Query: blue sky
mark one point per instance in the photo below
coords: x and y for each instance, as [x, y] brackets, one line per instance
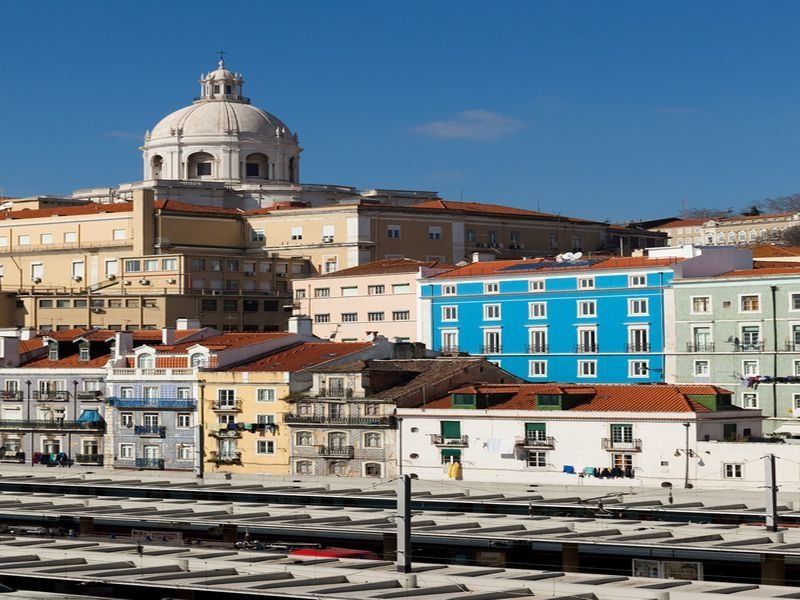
[597, 109]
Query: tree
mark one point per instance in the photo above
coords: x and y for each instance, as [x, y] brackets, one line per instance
[704, 213]
[791, 236]
[780, 204]
[753, 211]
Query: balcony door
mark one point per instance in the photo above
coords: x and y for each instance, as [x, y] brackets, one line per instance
[337, 440]
[587, 340]
[702, 337]
[638, 339]
[621, 433]
[152, 452]
[750, 337]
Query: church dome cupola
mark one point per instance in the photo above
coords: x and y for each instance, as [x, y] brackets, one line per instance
[222, 85]
[222, 137]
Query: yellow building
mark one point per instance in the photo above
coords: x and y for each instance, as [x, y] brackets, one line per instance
[243, 407]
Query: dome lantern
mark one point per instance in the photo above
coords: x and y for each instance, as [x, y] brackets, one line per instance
[222, 84]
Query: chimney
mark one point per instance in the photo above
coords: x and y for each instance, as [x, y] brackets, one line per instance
[9, 347]
[27, 333]
[482, 257]
[183, 324]
[301, 325]
[168, 336]
[123, 344]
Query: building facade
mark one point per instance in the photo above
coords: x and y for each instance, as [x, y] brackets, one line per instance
[738, 230]
[629, 434]
[590, 320]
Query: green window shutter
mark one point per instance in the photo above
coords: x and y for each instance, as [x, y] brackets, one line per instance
[451, 453]
[538, 427]
[451, 429]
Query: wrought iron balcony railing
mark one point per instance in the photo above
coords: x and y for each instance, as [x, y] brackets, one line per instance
[335, 392]
[159, 431]
[52, 395]
[587, 348]
[50, 425]
[150, 463]
[11, 396]
[336, 451]
[460, 441]
[366, 421]
[226, 458]
[163, 403]
[538, 349]
[234, 405]
[89, 459]
[492, 349]
[536, 441]
[637, 347]
[749, 346]
[613, 445]
[700, 347]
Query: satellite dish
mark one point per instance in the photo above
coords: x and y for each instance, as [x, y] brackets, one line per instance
[560, 258]
[568, 256]
[6, 205]
[577, 255]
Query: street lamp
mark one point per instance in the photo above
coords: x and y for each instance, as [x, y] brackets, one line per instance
[688, 453]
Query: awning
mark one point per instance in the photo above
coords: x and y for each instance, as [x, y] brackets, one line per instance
[90, 416]
[790, 428]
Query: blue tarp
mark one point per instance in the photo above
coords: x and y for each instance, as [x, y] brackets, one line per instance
[89, 416]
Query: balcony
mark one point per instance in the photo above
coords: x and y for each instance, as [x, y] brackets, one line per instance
[461, 441]
[227, 405]
[700, 347]
[158, 431]
[226, 434]
[749, 346]
[51, 396]
[587, 348]
[131, 373]
[449, 350]
[536, 441]
[335, 392]
[50, 425]
[89, 395]
[9, 396]
[622, 446]
[366, 421]
[150, 463]
[225, 458]
[336, 451]
[491, 349]
[538, 349]
[89, 459]
[793, 346]
[637, 348]
[162, 403]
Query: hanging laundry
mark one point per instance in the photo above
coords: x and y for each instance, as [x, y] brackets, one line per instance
[569, 469]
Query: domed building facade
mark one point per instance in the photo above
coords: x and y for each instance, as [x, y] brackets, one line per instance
[221, 137]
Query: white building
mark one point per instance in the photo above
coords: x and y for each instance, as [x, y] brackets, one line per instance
[570, 434]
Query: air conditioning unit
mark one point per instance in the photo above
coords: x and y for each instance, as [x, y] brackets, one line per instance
[97, 310]
[282, 274]
[144, 281]
[172, 281]
[111, 276]
[250, 273]
[327, 239]
[76, 278]
[36, 280]
[127, 282]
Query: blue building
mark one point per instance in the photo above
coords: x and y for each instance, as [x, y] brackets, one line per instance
[592, 320]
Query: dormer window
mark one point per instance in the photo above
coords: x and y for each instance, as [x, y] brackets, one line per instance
[197, 360]
[146, 361]
[52, 350]
[83, 352]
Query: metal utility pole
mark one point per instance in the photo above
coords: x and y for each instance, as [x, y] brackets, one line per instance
[772, 493]
[687, 453]
[404, 524]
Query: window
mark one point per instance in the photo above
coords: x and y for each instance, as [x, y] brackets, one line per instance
[184, 420]
[349, 317]
[450, 341]
[83, 352]
[133, 265]
[349, 291]
[126, 450]
[146, 361]
[126, 419]
[78, 270]
[471, 235]
[587, 368]
[492, 341]
[750, 303]
[265, 447]
[794, 301]
[537, 459]
[637, 281]
[258, 235]
[322, 292]
[169, 264]
[46, 238]
[401, 315]
[4, 240]
[733, 470]
[796, 401]
[491, 312]
[434, 233]
[304, 438]
[638, 368]
[491, 288]
[537, 310]
[749, 368]
[638, 307]
[322, 318]
[297, 233]
[552, 240]
[265, 395]
[537, 338]
[623, 462]
[24, 240]
[375, 316]
[448, 290]
[702, 368]
[185, 451]
[638, 339]
[751, 339]
[750, 400]
[330, 264]
[537, 368]
[376, 290]
[373, 470]
[401, 288]
[587, 308]
[304, 467]
[373, 440]
[393, 232]
[37, 271]
[701, 305]
[586, 283]
[587, 339]
[449, 313]
[536, 285]
[232, 266]
[150, 264]
[119, 234]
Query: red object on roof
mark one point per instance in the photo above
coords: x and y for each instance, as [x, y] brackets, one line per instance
[224, 341]
[335, 553]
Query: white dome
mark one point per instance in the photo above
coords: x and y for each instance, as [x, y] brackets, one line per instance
[219, 118]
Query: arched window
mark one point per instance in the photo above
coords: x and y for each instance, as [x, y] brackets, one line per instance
[304, 467]
[337, 439]
[146, 361]
[720, 238]
[752, 235]
[373, 470]
[156, 165]
[373, 440]
[52, 350]
[197, 360]
[731, 237]
[256, 166]
[304, 438]
[339, 468]
[200, 166]
[292, 169]
[742, 236]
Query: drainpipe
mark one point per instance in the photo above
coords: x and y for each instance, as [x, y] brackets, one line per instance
[200, 472]
[774, 290]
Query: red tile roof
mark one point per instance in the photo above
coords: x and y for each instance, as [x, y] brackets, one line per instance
[68, 362]
[605, 398]
[763, 271]
[186, 207]
[389, 265]
[497, 267]
[489, 209]
[683, 223]
[223, 341]
[92, 208]
[772, 251]
[302, 356]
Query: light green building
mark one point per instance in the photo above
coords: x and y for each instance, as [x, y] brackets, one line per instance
[734, 328]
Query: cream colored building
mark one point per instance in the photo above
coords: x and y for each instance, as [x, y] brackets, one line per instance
[375, 298]
[738, 230]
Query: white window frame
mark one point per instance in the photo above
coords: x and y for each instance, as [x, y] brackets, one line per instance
[492, 312]
[585, 283]
[393, 232]
[744, 369]
[644, 374]
[750, 400]
[633, 302]
[534, 306]
[637, 280]
[267, 444]
[582, 372]
[491, 287]
[449, 289]
[449, 313]
[791, 296]
[796, 401]
[447, 332]
[586, 303]
[127, 451]
[539, 454]
[710, 305]
[537, 285]
[484, 338]
[537, 368]
[749, 312]
[733, 470]
[119, 234]
[434, 232]
[698, 362]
